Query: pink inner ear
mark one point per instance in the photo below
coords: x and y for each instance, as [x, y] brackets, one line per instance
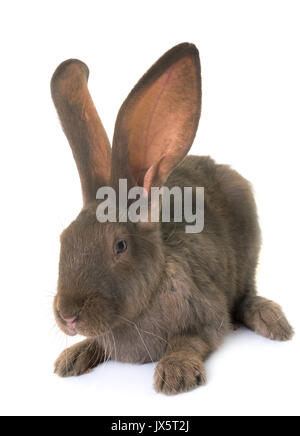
[150, 175]
[161, 122]
[148, 179]
[151, 133]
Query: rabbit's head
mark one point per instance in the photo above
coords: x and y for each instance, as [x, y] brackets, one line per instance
[110, 271]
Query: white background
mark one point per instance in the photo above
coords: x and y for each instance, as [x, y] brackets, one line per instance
[250, 65]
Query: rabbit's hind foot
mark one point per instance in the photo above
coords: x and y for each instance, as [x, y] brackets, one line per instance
[265, 318]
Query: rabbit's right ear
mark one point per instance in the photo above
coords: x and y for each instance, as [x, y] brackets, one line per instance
[82, 126]
[157, 123]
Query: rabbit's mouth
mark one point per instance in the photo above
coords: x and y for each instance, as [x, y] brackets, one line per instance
[68, 325]
[72, 330]
[79, 326]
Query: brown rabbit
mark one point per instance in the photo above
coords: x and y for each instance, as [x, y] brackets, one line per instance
[147, 291]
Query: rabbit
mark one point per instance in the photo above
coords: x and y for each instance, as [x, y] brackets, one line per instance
[148, 291]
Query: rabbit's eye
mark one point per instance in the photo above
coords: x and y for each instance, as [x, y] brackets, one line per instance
[121, 246]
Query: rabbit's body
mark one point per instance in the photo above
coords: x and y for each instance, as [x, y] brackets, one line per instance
[231, 233]
[147, 291]
[202, 290]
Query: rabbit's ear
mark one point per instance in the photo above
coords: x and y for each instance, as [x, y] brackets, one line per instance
[82, 126]
[157, 123]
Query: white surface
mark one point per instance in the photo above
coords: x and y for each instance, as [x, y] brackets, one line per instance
[250, 64]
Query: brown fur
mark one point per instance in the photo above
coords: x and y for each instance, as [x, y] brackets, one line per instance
[172, 296]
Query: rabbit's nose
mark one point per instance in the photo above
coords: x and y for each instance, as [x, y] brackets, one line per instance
[70, 320]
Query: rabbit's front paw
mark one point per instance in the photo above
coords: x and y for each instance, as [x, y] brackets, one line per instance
[177, 373]
[79, 359]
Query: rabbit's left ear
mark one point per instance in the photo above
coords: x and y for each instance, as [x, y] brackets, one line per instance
[157, 123]
[82, 126]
